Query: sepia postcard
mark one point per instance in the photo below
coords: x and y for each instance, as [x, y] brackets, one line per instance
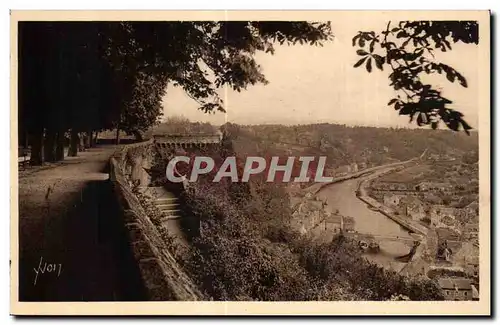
[250, 163]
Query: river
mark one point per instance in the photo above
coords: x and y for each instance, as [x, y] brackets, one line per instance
[342, 197]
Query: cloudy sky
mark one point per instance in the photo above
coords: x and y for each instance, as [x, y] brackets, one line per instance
[319, 84]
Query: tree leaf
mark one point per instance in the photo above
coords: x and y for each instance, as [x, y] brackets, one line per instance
[372, 46]
[402, 34]
[461, 80]
[447, 44]
[379, 61]
[392, 101]
[369, 65]
[354, 39]
[427, 37]
[360, 62]
[406, 110]
[466, 126]
[450, 76]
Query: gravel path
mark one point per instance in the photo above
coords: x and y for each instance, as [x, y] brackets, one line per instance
[72, 247]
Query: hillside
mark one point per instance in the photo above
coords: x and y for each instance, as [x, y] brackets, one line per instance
[345, 145]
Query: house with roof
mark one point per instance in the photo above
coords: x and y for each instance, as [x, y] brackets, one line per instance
[440, 271]
[434, 187]
[468, 257]
[413, 207]
[392, 200]
[441, 214]
[343, 170]
[456, 288]
[334, 223]
[307, 212]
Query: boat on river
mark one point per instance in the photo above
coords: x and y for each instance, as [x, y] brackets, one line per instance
[370, 247]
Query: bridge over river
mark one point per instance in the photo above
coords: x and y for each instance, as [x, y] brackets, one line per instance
[394, 241]
[409, 240]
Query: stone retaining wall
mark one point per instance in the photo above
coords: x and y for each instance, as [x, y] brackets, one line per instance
[162, 275]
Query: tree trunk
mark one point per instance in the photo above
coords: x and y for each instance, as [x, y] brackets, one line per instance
[91, 138]
[73, 144]
[50, 146]
[81, 142]
[60, 142]
[94, 139]
[138, 136]
[36, 157]
[87, 139]
[117, 135]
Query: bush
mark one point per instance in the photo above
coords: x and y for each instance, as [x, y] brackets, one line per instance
[232, 262]
[341, 262]
[243, 255]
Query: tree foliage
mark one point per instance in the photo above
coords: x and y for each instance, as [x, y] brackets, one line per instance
[89, 76]
[407, 49]
[201, 56]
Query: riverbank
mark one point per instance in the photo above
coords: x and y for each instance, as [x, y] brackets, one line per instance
[361, 192]
[388, 212]
[315, 188]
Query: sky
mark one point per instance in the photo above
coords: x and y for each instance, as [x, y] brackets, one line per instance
[309, 84]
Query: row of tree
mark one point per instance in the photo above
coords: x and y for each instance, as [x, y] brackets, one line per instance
[77, 78]
[74, 80]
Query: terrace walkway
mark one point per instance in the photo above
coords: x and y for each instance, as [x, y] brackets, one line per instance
[68, 219]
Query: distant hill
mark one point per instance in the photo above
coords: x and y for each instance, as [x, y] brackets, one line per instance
[344, 144]
[182, 126]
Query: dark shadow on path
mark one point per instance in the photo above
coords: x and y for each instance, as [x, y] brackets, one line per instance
[87, 251]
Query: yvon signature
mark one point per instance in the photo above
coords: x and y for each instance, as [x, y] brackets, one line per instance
[46, 267]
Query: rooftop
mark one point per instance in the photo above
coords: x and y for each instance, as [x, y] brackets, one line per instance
[446, 268]
[333, 218]
[455, 283]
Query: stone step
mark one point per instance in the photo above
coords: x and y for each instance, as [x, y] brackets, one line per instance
[171, 212]
[168, 206]
[171, 217]
[165, 200]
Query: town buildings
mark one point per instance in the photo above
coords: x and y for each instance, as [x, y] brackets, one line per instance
[444, 207]
[456, 288]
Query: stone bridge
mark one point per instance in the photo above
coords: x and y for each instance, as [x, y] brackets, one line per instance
[377, 238]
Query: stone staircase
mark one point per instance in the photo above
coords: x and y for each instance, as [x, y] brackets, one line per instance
[168, 204]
